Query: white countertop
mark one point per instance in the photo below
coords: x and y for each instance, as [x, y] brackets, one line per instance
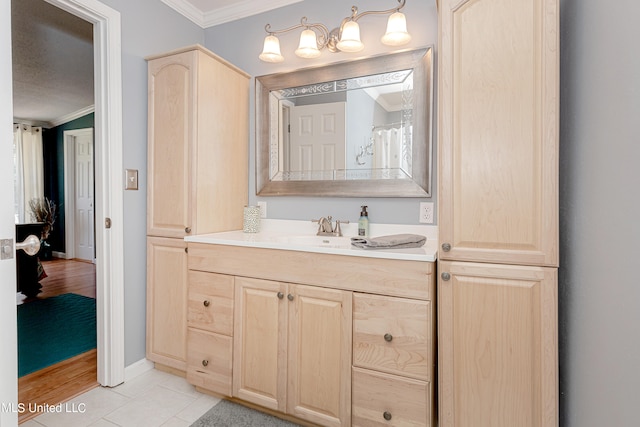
[294, 235]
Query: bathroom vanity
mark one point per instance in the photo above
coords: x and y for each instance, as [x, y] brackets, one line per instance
[309, 327]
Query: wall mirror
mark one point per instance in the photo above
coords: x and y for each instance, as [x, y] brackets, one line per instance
[357, 128]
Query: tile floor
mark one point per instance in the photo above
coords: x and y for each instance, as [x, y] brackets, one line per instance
[152, 399]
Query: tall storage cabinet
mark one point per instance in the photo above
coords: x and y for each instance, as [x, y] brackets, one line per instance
[197, 178]
[498, 212]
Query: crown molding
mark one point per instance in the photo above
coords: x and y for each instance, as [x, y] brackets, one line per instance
[59, 121]
[187, 9]
[232, 12]
[72, 116]
[242, 9]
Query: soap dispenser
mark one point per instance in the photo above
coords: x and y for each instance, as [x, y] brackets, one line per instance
[363, 223]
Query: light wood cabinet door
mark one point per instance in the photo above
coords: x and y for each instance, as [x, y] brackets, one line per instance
[497, 347]
[198, 131]
[292, 349]
[498, 131]
[167, 301]
[319, 354]
[171, 129]
[260, 342]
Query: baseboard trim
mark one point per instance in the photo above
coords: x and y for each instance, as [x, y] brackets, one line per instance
[137, 368]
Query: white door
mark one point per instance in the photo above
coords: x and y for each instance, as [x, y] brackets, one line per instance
[8, 326]
[84, 211]
[318, 137]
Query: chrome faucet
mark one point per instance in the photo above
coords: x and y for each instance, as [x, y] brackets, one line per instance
[325, 226]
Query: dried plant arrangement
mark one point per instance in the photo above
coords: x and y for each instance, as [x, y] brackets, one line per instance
[43, 210]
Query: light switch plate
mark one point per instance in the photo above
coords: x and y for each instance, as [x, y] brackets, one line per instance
[131, 177]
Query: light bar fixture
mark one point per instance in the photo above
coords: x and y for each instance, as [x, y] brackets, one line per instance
[345, 38]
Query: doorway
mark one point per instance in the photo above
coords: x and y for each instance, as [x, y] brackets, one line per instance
[108, 185]
[79, 194]
[41, 382]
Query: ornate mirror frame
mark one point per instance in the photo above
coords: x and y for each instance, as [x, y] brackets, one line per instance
[420, 61]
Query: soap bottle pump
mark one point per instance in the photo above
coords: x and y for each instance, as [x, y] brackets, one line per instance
[363, 223]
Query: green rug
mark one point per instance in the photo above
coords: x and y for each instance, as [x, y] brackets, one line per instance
[54, 329]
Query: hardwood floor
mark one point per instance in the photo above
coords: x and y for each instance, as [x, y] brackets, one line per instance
[68, 276]
[67, 379]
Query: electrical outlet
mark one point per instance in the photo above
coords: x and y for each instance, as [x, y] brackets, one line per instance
[426, 212]
[263, 209]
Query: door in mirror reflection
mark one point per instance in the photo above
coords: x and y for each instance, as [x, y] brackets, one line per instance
[317, 138]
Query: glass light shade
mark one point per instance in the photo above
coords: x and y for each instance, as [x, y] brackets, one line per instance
[396, 34]
[271, 50]
[350, 39]
[308, 47]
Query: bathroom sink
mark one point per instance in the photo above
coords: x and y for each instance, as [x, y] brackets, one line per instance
[300, 236]
[318, 241]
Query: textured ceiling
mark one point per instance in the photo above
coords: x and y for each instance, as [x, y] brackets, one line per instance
[52, 62]
[53, 54]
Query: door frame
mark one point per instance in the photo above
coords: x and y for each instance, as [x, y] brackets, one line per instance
[69, 189]
[109, 183]
[8, 331]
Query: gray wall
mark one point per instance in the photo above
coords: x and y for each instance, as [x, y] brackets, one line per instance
[148, 27]
[600, 213]
[241, 42]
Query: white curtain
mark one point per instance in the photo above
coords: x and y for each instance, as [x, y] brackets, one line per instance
[29, 168]
[387, 148]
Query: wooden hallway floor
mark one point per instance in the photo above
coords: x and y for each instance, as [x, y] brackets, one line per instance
[67, 379]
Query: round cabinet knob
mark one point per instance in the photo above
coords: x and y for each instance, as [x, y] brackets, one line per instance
[387, 415]
[446, 247]
[280, 295]
[187, 230]
[205, 363]
[290, 297]
[445, 276]
[206, 303]
[388, 337]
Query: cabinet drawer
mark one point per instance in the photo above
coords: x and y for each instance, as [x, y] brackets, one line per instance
[209, 361]
[377, 396]
[393, 335]
[210, 304]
